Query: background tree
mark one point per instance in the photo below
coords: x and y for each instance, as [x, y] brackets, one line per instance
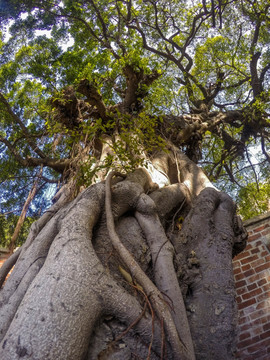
[136, 264]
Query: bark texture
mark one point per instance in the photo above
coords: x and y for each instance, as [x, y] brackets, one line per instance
[130, 279]
[204, 249]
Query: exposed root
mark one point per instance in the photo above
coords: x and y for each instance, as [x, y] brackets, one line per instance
[112, 344]
[58, 301]
[147, 302]
[7, 266]
[163, 312]
[165, 276]
[132, 324]
[30, 260]
[127, 309]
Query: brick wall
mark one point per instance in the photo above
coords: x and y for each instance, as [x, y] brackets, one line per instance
[3, 256]
[252, 280]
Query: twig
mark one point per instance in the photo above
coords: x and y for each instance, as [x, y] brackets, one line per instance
[132, 324]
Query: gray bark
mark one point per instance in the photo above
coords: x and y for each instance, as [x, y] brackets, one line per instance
[204, 248]
[74, 295]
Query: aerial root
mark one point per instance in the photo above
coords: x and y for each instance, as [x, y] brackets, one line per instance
[164, 272]
[8, 265]
[163, 312]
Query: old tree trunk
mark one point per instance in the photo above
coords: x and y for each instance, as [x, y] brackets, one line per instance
[134, 258]
[134, 285]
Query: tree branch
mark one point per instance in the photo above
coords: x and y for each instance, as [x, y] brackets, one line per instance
[13, 151]
[32, 144]
[93, 96]
[58, 165]
[30, 197]
[8, 264]
[264, 150]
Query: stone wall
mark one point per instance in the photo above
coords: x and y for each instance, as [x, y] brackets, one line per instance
[252, 281]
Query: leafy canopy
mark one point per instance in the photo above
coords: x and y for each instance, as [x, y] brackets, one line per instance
[132, 76]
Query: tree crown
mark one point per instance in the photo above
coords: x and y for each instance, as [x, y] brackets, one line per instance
[138, 77]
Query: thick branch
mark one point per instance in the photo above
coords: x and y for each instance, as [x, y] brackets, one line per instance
[58, 165]
[255, 81]
[136, 83]
[93, 96]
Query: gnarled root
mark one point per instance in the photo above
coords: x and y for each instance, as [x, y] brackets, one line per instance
[160, 306]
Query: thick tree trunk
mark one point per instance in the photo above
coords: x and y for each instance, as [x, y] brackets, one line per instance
[89, 288]
[204, 249]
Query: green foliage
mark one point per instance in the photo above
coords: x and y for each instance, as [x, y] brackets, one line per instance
[7, 227]
[254, 199]
[135, 136]
[49, 46]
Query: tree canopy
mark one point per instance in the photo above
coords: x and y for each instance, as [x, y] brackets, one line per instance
[124, 113]
[191, 74]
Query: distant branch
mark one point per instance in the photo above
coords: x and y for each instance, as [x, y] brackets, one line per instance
[58, 165]
[264, 71]
[100, 40]
[13, 151]
[264, 150]
[15, 117]
[30, 198]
